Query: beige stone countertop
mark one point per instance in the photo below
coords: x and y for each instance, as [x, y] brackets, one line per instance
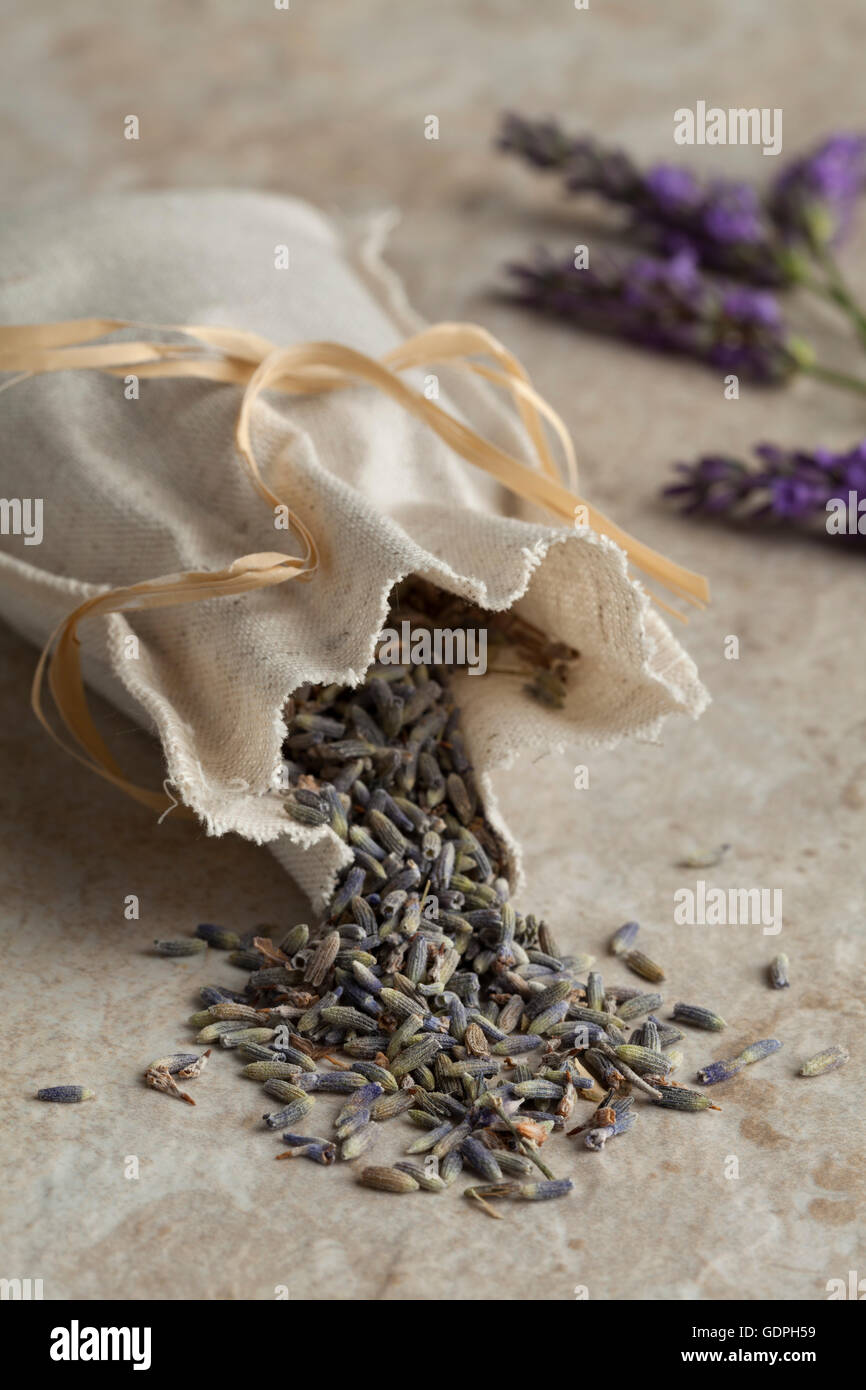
[329, 102]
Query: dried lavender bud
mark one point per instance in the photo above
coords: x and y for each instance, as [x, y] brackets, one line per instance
[306, 815]
[338, 1083]
[537, 1090]
[526, 1191]
[826, 1061]
[623, 938]
[388, 1180]
[647, 1036]
[481, 1159]
[322, 1151]
[209, 994]
[188, 946]
[213, 1032]
[396, 1102]
[722, 1071]
[275, 1070]
[418, 1055]
[174, 1063]
[778, 972]
[637, 1005]
[595, 991]
[668, 1032]
[322, 959]
[246, 960]
[359, 1142]
[643, 1059]
[699, 1018]
[541, 1025]
[291, 1113]
[428, 1182]
[237, 1036]
[228, 1010]
[218, 937]
[284, 1090]
[680, 1098]
[514, 1045]
[642, 965]
[65, 1095]
[622, 1121]
[451, 1166]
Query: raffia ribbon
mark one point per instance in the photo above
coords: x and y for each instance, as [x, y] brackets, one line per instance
[245, 359]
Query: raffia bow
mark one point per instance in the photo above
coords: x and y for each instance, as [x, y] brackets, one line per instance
[245, 359]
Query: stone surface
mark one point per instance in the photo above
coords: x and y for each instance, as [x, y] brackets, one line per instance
[329, 102]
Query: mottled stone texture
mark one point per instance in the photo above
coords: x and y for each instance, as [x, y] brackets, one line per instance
[329, 102]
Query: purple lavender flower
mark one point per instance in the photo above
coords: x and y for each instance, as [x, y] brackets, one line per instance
[674, 188]
[726, 224]
[814, 197]
[714, 483]
[667, 305]
[789, 485]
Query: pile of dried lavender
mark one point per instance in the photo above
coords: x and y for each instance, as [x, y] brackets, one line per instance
[448, 1006]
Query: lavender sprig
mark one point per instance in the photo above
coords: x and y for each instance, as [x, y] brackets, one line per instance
[729, 225]
[789, 485]
[724, 223]
[668, 305]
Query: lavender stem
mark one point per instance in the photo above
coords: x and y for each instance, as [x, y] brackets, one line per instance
[843, 380]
